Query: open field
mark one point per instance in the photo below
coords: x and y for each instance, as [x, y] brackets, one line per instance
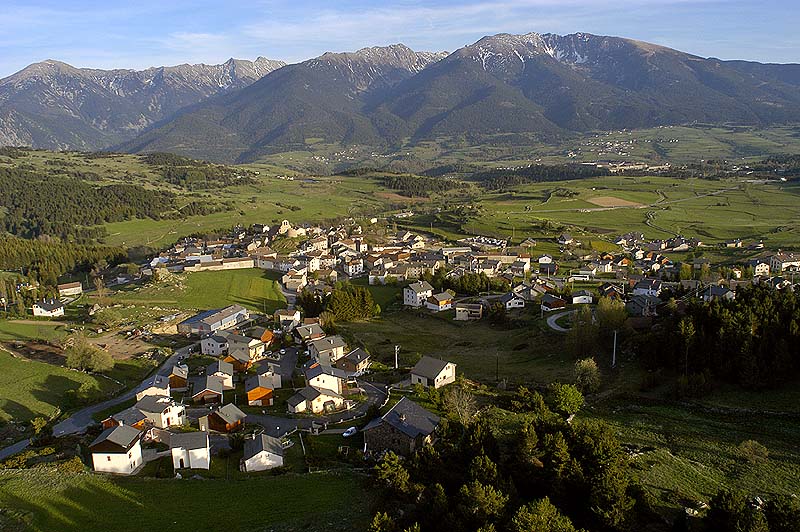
[530, 354]
[23, 330]
[252, 288]
[29, 389]
[47, 501]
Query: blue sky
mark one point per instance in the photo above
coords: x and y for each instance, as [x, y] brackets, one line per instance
[138, 34]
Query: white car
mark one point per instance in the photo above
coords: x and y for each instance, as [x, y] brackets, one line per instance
[349, 432]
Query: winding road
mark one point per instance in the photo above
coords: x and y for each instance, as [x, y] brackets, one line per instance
[551, 321]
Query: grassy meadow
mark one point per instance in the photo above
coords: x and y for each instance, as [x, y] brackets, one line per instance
[252, 288]
[49, 500]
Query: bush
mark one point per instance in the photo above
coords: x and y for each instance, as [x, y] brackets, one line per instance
[587, 375]
[753, 452]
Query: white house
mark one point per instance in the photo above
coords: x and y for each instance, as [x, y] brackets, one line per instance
[415, 294]
[354, 267]
[190, 450]
[647, 287]
[223, 370]
[214, 345]
[262, 452]
[581, 297]
[512, 301]
[431, 371]
[545, 259]
[439, 302]
[70, 289]
[117, 450]
[327, 349]
[326, 377]
[49, 308]
[161, 411]
[316, 400]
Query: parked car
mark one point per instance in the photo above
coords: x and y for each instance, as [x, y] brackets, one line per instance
[349, 432]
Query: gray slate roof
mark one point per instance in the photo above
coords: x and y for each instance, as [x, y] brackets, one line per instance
[220, 366]
[231, 414]
[153, 403]
[357, 355]
[329, 342]
[129, 416]
[209, 382]
[262, 442]
[429, 367]
[189, 440]
[256, 381]
[122, 435]
[409, 418]
[419, 287]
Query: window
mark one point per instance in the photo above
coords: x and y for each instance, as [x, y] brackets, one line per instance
[130, 454]
[108, 458]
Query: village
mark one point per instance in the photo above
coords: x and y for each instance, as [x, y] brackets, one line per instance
[263, 377]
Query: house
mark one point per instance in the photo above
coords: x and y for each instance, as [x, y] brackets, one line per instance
[310, 332]
[179, 378]
[70, 289]
[287, 319]
[239, 358]
[761, 267]
[431, 371]
[611, 291]
[404, 429]
[325, 377]
[642, 305]
[227, 418]
[439, 302]
[718, 293]
[117, 450]
[161, 411]
[512, 301]
[468, 311]
[356, 361]
[582, 297]
[328, 349]
[132, 417]
[782, 261]
[259, 390]
[211, 321]
[551, 302]
[548, 269]
[208, 389]
[565, 239]
[415, 294]
[214, 345]
[647, 287]
[49, 308]
[190, 450]
[316, 400]
[262, 452]
[156, 385]
[223, 370]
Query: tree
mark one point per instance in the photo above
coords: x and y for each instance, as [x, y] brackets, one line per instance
[540, 516]
[382, 523]
[686, 272]
[391, 473]
[753, 452]
[482, 502]
[687, 332]
[81, 354]
[728, 510]
[460, 401]
[611, 314]
[587, 375]
[783, 514]
[483, 470]
[582, 337]
[101, 291]
[565, 399]
[107, 318]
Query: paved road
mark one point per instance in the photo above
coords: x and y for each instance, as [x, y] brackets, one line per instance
[551, 321]
[78, 422]
[278, 426]
[14, 449]
[291, 297]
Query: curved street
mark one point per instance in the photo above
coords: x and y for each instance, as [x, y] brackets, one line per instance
[551, 321]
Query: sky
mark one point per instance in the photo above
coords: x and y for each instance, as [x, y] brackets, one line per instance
[143, 33]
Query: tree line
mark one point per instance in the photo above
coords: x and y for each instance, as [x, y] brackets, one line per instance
[501, 178]
[414, 186]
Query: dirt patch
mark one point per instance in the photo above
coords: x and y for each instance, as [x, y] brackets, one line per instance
[611, 201]
[38, 351]
[121, 347]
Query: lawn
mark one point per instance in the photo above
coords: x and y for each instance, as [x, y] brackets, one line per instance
[29, 389]
[11, 331]
[251, 288]
[50, 501]
[528, 353]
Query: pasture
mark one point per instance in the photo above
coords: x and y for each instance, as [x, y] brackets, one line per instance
[47, 500]
[251, 288]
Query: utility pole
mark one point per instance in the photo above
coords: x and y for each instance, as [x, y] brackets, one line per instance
[614, 354]
[396, 357]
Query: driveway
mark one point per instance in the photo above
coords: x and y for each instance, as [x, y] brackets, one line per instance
[551, 321]
[78, 422]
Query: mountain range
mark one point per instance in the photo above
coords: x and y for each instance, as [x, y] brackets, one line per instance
[541, 84]
[56, 106]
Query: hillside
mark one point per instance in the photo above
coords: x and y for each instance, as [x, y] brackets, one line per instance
[546, 85]
[54, 105]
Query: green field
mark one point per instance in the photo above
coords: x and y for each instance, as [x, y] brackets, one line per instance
[29, 389]
[252, 288]
[529, 354]
[47, 501]
[31, 330]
